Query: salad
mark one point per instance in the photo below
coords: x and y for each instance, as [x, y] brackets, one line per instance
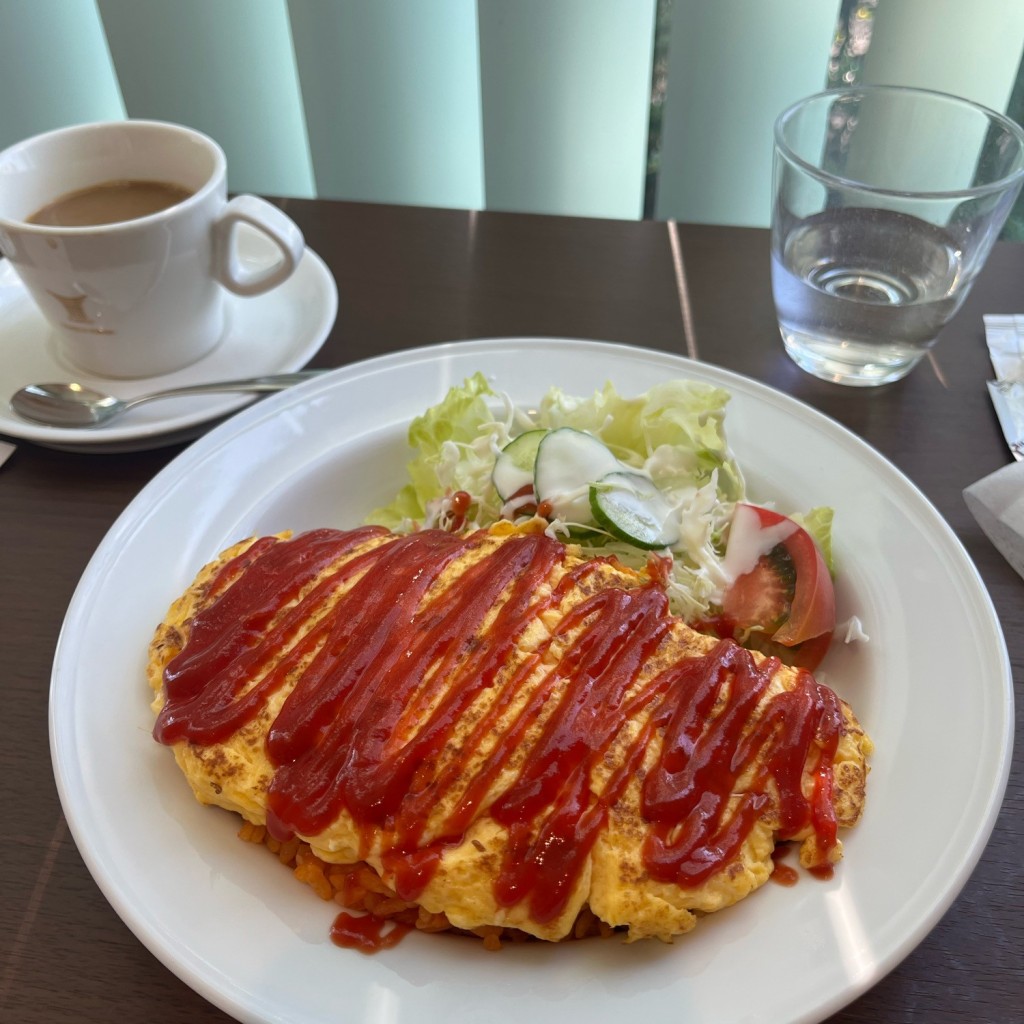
[650, 480]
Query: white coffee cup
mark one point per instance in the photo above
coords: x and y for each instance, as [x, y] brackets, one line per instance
[142, 297]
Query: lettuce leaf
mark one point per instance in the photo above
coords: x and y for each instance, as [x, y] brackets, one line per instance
[685, 417]
[675, 432]
[446, 439]
[818, 523]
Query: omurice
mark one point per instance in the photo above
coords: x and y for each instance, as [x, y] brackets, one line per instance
[488, 732]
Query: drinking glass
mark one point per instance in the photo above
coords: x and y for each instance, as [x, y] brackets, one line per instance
[886, 202]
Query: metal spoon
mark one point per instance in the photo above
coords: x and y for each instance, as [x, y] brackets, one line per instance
[75, 405]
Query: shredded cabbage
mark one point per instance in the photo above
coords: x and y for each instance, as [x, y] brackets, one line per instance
[674, 432]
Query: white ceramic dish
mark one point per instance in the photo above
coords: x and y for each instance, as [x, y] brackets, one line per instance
[236, 927]
[271, 333]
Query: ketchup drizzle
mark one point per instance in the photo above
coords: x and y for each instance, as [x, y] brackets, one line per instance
[387, 675]
[368, 934]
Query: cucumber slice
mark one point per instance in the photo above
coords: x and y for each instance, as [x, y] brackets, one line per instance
[513, 469]
[568, 462]
[630, 506]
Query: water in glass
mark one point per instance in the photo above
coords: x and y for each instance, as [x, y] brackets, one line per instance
[861, 293]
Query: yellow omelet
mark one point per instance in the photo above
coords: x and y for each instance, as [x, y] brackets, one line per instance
[508, 734]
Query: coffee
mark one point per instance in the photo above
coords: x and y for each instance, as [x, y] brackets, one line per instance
[109, 203]
[132, 265]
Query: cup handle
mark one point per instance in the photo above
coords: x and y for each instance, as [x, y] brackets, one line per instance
[269, 221]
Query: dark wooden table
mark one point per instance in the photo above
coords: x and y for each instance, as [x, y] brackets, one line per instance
[409, 277]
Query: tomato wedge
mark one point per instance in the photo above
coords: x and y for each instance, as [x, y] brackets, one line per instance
[785, 604]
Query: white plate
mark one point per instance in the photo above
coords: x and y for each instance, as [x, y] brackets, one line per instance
[236, 927]
[271, 333]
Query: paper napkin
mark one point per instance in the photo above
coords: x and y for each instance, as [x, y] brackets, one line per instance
[1005, 338]
[997, 501]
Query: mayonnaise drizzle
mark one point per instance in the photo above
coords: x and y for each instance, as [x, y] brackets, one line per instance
[749, 540]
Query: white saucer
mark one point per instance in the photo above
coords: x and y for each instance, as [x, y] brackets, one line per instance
[272, 333]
